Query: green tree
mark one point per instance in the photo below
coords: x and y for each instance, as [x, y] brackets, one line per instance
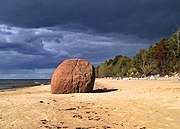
[143, 62]
[97, 72]
[122, 66]
[103, 70]
[173, 48]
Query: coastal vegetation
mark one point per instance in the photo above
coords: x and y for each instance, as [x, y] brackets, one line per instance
[161, 59]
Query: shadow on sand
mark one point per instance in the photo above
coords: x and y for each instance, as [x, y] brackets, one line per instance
[104, 90]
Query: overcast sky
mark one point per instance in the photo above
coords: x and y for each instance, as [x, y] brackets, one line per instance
[36, 35]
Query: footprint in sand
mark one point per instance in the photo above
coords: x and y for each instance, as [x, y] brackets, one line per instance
[77, 116]
[96, 118]
[106, 127]
[93, 112]
[44, 121]
[92, 127]
[54, 100]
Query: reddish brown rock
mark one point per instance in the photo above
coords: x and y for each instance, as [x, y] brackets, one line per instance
[73, 76]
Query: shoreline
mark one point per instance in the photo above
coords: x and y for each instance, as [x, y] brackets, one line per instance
[18, 88]
[21, 83]
[13, 88]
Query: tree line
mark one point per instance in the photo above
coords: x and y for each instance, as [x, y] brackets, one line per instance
[163, 58]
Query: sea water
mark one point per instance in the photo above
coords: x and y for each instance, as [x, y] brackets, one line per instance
[19, 83]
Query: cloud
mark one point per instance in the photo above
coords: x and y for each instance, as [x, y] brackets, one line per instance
[26, 74]
[46, 47]
[146, 19]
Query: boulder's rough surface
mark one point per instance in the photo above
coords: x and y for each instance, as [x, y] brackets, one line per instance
[73, 76]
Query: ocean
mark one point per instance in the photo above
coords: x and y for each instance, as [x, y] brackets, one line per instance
[19, 83]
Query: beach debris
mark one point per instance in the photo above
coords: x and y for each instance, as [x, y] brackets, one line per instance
[143, 128]
[70, 109]
[63, 127]
[166, 76]
[37, 83]
[122, 124]
[152, 78]
[41, 101]
[73, 76]
[90, 118]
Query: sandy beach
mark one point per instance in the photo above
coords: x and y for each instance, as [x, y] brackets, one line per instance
[118, 104]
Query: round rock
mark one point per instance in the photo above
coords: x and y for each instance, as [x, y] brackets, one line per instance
[73, 76]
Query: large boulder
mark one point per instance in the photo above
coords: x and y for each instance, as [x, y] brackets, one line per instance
[73, 76]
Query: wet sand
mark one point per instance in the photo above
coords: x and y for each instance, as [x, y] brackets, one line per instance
[117, 104]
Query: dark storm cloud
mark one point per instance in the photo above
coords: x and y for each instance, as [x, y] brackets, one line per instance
[34, 48]
[146, 19]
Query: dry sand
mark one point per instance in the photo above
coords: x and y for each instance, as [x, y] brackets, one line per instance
[135, 104]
